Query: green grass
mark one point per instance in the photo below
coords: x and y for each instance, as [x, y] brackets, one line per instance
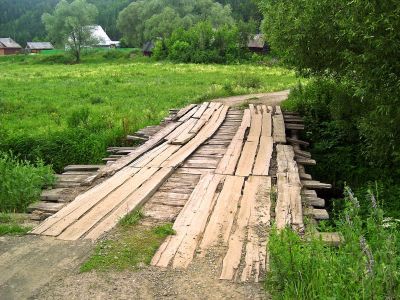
[67, 114]
[365, 266]
[10, 225]
[21, 182]
[131, 248]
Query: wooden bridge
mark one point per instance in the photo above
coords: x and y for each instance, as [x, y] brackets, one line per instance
[221, 174]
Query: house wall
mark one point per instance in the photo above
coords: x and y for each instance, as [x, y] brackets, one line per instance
[9, 51]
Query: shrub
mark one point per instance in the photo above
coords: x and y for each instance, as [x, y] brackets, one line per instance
[21, 182]
[365, 266]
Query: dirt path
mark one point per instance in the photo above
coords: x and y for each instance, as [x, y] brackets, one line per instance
[29, 262]
[45, 268]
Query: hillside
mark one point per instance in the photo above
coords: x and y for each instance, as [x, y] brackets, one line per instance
[21, 20]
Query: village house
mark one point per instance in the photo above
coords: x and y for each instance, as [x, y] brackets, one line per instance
[36, 47]
[257, 44]
[8, 46]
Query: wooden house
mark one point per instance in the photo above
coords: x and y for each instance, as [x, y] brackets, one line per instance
[257, 44]
[36, 47]
[8, 46]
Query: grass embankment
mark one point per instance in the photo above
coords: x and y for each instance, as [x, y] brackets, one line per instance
[131, 247]
[366, 265]
[12, 225]
[68, 114]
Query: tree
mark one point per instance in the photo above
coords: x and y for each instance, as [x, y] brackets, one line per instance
[70, 24]
[151, 19]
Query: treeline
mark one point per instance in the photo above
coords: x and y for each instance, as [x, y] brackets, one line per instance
[21, 20]
[350, 50]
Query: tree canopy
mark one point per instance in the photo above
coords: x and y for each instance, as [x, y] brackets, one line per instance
[146, 20]
[71, 24]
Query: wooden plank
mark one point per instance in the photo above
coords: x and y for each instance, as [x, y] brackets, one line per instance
[266, 124]
[228, 163]
[201, 110]
[292, 126]
[169, 248]
[184, 111]
[82, 167]
[279, 129]
[51, 207]
[84, 223]
[132, 202]
[184, 128]
[160, 159]
[232, 258]
[302, 153]
[264, 156]
[185, 253]
[150, 144]
[248, 155]
[194, 171]
[189, 114]
[306, 161]
[313, 184]
[204, 118]
[297, 141]
[288, 208]
[54, 194]
[149, 156]
[221, 220]
[205, 133]
[87, 200]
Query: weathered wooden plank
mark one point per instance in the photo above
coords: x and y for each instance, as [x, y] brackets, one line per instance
[279, 133]
[82, 167]
[205, 133]
[195, 227]
[87, 199]
[201, 110]
[83, 223]
[232, 258]
[50, 207]
[297, 141]
[169, 248]
[264, 156]
[151, 143]
[134, 201]
[228, 163]
[221, 220]
[54, 194]
[313, 184]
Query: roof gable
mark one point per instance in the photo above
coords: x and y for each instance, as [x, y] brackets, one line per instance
[39, 45]
[9, 43]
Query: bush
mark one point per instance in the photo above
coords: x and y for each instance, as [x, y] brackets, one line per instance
[365, 266]
[21, 182]
[56, 59]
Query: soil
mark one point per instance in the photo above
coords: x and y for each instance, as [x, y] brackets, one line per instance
[33, 267]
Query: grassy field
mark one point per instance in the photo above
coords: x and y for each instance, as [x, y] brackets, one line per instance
[68, 114]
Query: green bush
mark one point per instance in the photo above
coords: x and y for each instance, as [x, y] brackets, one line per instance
[365, 266]
[21, 182]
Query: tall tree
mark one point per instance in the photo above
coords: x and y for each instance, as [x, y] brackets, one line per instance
[70, 24]
[150, 19]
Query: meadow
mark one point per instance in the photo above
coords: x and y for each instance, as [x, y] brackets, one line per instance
[69, 113]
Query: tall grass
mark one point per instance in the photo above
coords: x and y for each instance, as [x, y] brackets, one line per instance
[69, 114]
[365, 266]
[21, 182]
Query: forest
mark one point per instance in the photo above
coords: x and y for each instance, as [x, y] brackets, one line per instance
[21, 20]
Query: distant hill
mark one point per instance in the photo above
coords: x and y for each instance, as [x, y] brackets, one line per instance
[21, 20]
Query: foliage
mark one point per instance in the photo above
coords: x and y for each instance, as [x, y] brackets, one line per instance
[354, 44]
[245, 10]
[365, 266]
[21, 182]
[70, 25]
[42, 116]
[132, 247]
[148, 20]
[331, 115]
[204, 44]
